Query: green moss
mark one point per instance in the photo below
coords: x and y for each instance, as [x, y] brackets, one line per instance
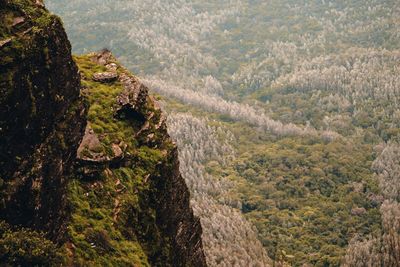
[29, 9]
[113, 220]
[24, 247]
[150, 157]
[102, 98]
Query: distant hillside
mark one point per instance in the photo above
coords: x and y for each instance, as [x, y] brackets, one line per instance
[281, 109]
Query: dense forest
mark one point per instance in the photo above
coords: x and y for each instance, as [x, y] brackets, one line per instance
[286, 114]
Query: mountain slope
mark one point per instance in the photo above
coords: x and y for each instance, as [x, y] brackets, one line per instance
[289, 103]
[88, 173]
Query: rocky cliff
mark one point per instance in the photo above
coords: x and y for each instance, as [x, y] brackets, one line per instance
[88, 173]
[42, 116]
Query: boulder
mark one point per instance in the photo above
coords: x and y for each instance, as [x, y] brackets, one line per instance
[105, 77]
[18, 21]
[92, 156]
[90, 148]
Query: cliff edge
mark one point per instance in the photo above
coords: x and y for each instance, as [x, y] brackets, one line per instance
[88, 173]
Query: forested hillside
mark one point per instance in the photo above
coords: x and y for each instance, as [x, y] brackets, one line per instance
[286, 114]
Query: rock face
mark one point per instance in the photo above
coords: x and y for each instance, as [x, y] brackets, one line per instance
[42, 117]
[175, 216]
[93, 169]
[173, 236]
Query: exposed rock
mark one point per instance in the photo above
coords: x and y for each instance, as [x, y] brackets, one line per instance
[45, 145]
[118, 153]
[92, 158]
[173, 202]
[112, 67]
[134, 94]
[91, 149]
[17, 21]
[5, 42]
[105, 77]
[169, 195]
[27, 31]
[132, 104]
[103, 57]
[89, 141]
[38, 142]
[123, 145]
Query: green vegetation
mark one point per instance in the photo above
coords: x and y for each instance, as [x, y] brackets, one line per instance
[24, 247]
[22, 24]
[309, 91]
[96, 237]
[103, 104]
[39, 18]
[111, 218]
[113, 222]
[300, 195]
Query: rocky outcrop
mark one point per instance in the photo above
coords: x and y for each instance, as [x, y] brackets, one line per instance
[42, 117]
[167, 194]
[93, 169]
[105, 77]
